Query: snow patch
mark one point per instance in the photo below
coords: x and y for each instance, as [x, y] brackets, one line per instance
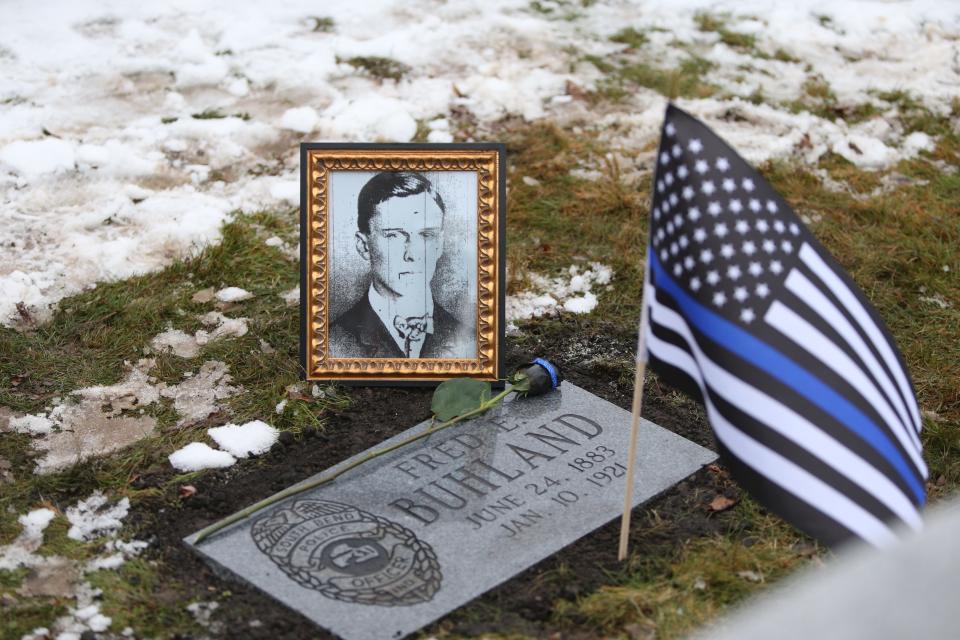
[235, 441]
[202, 612]
[130, 181]
[188, 346]
[90, 422]
[20, 552]
[37, 424]
[292, 297]
[111, 562]
[83, 617]
[580, 304]
[92, 517]
[285, 191]
[369, 117]
[572, 293]
[937, 300]
[91, 617]
[198, 397]
[233, 294]
[180, 343]
[301, 119]
[224, 327]
[439, 131]
[31, 158]
[119, 551]
[241, 441]
[57, 577]
[35, 522]
[916, 142]
[197, 456]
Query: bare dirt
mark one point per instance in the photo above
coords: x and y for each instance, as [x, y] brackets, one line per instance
[523, 605]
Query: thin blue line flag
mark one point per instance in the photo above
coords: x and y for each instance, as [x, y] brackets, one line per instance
[812, 406]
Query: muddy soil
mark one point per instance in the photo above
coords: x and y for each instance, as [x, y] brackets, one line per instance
[592, 354]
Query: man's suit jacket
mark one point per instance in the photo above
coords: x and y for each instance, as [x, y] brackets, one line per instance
[359, 333]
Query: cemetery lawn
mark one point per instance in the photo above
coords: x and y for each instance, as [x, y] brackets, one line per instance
[692, 554]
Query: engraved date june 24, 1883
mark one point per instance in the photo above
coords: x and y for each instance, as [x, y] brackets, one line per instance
[542, 496]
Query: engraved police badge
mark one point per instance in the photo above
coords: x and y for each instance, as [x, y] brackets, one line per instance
[348, 554]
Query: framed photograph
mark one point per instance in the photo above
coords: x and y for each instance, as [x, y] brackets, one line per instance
[402, 262]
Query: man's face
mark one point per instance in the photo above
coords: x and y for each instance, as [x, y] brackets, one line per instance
[404, 243]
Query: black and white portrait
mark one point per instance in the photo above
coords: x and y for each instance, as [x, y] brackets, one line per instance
[403, 264]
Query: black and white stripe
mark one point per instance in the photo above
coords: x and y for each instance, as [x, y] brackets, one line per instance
[774, 440]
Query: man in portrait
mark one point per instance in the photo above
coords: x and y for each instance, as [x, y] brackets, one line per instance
[400, 238]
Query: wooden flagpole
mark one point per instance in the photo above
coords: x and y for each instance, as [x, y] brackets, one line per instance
[634, 426]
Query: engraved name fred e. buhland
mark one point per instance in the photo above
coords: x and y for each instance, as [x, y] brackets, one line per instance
[348, 554]
[537, 472]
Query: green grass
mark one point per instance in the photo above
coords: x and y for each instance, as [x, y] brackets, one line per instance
[624, 73]
[567, 10]
[378, 67]
[566, 216]
[718, 24]
[783, 56]
[630, 37]
[208, 114]
[28, 614]
[322, 24]
[131, 599]
[87, 342]
[672, 595]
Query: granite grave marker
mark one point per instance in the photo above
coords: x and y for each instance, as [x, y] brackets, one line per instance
[400, 541]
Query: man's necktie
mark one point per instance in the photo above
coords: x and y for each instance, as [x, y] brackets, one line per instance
[411, 329]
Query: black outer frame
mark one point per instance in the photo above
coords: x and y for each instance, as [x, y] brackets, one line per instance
[501, 149]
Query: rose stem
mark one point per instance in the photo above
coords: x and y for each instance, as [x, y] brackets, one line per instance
[294, 490]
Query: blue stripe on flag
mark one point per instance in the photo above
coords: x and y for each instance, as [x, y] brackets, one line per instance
[764, 357]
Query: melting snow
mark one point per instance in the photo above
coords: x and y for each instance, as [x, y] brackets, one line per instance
[292, 297]
[92, 517]
[35, 424]
[243, 440]
[180, 343]
[233, 294]
[130, 180]
[197, 456]
[20, 551]
[198, 397]
[91, 422]
[572, 293]
[54, 576]
[235, 441]
[188, 346]
[223, 327]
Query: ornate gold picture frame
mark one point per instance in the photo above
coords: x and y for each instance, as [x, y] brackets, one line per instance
[402, 262]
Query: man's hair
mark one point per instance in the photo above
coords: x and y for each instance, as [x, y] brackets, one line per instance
[391, 184]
